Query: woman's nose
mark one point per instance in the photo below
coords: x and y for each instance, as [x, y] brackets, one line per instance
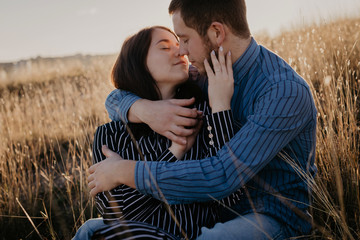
[177, 51]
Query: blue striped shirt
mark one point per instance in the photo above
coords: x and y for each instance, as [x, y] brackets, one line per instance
[271, 152]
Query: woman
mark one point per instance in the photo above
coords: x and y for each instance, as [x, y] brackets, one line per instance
[150, 66]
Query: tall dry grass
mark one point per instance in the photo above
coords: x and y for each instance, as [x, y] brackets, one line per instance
[49, 112]
[48, 117]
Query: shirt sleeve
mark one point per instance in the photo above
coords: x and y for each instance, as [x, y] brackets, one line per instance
[118, 104]
[279, 115]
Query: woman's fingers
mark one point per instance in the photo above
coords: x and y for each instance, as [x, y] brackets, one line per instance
[208, 69]
[215, 62]
[222, 65]
[229, 64]
[222, 59]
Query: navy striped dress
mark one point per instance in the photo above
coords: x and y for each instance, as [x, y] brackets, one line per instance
[125, 209]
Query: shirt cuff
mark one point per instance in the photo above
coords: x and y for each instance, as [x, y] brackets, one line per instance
[126, 103]
[118, 104]
[145, 182]
[219, 128]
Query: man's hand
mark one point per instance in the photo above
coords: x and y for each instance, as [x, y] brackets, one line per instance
[111, 172]
[169, 118]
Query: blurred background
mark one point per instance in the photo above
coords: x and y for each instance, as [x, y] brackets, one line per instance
[56, 28]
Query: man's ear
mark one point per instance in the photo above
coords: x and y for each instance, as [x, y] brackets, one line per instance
[216, 33]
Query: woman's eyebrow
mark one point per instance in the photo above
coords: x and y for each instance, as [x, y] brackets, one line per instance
[163, 40]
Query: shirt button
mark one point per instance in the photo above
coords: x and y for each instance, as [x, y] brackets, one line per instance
[209, 128]
[211, 142]
[211, 135]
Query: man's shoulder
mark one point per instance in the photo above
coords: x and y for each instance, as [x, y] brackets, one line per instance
[277, 71]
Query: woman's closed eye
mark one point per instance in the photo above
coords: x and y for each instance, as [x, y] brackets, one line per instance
[164, 47]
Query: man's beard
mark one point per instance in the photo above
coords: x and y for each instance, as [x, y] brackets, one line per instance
[208, 48]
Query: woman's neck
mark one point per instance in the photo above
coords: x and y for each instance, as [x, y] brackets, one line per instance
[167, 91]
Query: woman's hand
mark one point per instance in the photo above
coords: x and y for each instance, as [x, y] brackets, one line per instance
[179, 150]
[111, 172]
[221, 81]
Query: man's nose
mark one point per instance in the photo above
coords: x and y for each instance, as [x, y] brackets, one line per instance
[183, 50]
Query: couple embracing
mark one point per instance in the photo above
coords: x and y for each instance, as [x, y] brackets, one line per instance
[216, 157]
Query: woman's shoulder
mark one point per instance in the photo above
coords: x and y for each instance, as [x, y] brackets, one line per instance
[112, 127]
[115, 131]
[112, 134]
[117, 137]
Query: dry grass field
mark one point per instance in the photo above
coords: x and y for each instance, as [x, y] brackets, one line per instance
[50, 108]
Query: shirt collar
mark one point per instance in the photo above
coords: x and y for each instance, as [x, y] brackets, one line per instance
[243, 64]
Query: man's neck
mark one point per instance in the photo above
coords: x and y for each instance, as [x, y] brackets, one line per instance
[237, 46]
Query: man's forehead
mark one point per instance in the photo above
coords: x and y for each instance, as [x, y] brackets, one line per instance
[180, 32]
[180, 28]
[181, 35]
[177, 20]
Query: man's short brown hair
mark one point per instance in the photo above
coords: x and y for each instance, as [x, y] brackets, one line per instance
[199, 14]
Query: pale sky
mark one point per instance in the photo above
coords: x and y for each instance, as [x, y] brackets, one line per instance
[52, 28]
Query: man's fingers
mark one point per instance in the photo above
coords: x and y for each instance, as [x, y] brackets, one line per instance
[181, 110]
[174, 138]
[181, 131]
[93, 192]
[183, 122]
[93, 188]
[91, 184]
[186, 112]
[92, 169]
[90, 178]
[183, 102]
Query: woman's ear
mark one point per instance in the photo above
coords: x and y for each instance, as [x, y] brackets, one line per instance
[216, 33]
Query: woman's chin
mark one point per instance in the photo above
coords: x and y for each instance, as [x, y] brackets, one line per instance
[183, 76]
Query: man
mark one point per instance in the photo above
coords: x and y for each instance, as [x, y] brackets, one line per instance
[272, 153]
